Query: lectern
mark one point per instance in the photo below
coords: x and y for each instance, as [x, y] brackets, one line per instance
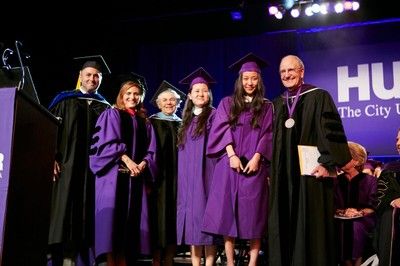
[27, 147]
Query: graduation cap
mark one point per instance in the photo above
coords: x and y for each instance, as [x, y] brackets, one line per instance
[165, 85]
[249, 62]
[95, 61]
[200, 75]
[132, 76]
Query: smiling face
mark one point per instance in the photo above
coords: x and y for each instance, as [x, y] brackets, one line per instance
[131, 97]
[167, 102]
[291, 71]
[250, 81]
[199, 95]
[90, 79]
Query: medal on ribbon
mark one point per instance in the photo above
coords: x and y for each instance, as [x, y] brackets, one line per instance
[289, 123]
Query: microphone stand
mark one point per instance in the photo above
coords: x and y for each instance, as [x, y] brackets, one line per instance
[22, 81]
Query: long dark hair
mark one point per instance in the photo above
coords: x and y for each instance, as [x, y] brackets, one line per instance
[187, 117]
[239, 104]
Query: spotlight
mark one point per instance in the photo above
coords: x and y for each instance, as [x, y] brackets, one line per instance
[339, 7]
[272, 10]
[295, 12]
[279, 15]
[308, 11]
[236, 15]
[315, 8]
[348, 5]
[288, 4]
[356, 5]
[312, 7]
[324, 8]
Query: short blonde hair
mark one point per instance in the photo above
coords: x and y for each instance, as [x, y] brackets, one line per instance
[358, 153]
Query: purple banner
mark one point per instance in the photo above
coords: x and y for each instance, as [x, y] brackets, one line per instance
[7, 100]
[364, 81]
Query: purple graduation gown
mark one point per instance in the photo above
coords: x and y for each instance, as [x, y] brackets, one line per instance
[360, 192]
[194, 180]
[237, 203]
[110, 146]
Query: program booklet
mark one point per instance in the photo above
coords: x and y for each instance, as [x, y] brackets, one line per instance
[308, 158]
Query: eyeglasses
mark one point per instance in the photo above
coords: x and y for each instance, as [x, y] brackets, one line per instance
[290, 71]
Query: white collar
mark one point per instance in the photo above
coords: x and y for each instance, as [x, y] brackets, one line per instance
[197, 110]
[248, 99]
[85, 92]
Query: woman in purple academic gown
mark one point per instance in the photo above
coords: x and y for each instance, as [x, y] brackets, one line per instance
[123, 160]
[241, 141]
[355, 203]
[194, 168]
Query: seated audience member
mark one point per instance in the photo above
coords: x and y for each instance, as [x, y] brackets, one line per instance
[355, 202]
[388, 226]
[372, 167]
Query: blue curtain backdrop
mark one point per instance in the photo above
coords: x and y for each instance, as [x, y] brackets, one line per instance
[172, 61]
[326, 52]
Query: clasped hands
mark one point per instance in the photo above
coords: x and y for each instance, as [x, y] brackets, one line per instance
[251, 167]
[350, 212]
[134, 168]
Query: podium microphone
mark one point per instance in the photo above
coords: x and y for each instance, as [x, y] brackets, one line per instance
[22, 81]
[4, 58]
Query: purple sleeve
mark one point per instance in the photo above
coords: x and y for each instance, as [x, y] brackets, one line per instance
[220, 133]
[107, 146]
[151, 151]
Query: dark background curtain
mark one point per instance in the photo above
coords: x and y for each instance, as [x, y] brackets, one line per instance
[168, 59]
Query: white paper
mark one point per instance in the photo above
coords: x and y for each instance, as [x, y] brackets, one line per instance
[308, 158]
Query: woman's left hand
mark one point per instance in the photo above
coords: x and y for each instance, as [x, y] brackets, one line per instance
[253, 165]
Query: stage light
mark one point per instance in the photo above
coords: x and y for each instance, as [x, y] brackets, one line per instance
[236, 15]
[273, 10]
[308, 11]
[295, 12]
[324, 8]
[315, 8]
[279, 15]
[296, 8]
[339, 7]
[356, 5]
[288, 4]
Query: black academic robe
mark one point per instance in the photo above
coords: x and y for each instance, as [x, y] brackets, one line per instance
[164, 192]
[72, 206]
[301, 211]
[388, 227]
